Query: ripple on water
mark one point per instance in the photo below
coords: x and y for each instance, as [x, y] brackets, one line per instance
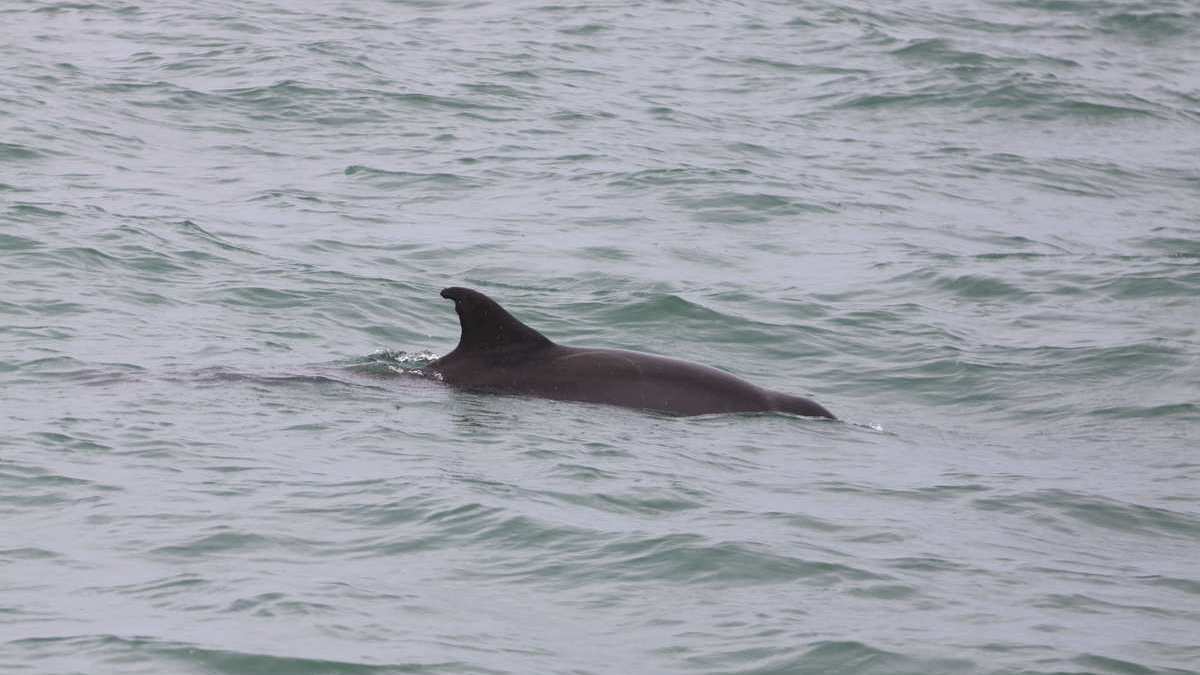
[151, 652]
[229, 542]
[685, 560]
[1097, 511]
[443, 183]
[830, 657]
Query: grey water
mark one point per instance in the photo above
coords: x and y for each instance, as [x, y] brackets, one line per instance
[971, 229]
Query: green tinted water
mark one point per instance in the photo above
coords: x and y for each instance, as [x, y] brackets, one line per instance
[968, 229]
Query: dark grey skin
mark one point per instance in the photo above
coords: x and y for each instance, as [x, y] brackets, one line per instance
[497, 353]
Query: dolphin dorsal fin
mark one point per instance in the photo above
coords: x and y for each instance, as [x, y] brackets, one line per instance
[488, 327]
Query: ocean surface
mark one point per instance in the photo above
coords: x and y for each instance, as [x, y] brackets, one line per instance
[971, 229]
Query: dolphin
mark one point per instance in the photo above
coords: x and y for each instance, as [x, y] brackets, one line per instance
[498, 353]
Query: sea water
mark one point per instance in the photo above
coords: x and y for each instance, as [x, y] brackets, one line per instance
[971, 229]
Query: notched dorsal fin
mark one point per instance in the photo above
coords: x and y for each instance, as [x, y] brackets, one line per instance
[486, 326]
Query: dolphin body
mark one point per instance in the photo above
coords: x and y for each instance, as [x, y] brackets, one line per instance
[498, 353]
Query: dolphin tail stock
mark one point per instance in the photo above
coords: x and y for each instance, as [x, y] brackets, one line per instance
[798, 405]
